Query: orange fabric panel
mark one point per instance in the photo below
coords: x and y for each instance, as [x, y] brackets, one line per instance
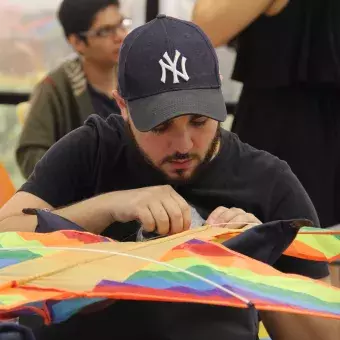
[7, 189]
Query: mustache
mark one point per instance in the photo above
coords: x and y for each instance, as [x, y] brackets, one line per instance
[177, 156]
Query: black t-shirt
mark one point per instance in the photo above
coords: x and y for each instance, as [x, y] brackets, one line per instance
[100, 157]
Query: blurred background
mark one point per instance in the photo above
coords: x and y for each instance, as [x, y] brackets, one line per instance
[31, 44]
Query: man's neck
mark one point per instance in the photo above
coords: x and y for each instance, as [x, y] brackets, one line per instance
[102, 79]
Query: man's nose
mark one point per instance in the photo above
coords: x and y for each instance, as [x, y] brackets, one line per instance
[181, 141]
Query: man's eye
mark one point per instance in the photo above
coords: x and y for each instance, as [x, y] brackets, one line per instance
[160, 128]
[199, 121]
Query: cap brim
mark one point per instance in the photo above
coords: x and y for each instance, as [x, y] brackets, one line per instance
[149, 112]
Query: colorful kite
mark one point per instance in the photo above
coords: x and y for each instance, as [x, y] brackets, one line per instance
[57, 274]
[310, 243]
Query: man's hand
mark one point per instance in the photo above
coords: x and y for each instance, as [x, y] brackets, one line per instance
[158, 208]
[233, 218]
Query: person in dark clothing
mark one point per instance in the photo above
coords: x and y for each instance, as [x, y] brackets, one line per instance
[288, 59]
[81, 85]
[165, 155]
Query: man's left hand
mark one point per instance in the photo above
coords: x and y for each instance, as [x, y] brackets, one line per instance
[232, 218]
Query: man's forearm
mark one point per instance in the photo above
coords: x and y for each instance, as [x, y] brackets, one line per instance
[91, 214]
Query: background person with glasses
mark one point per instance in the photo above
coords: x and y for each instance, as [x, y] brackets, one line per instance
[81, 85]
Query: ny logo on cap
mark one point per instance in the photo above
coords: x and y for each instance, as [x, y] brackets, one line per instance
[172, 66]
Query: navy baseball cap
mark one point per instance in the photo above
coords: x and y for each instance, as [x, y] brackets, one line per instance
[168, 68]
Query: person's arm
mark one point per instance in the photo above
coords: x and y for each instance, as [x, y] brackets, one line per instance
[64, 181]
[40, 126]
[286, 326]
[92, 214]
[157, 208]
[222, 20]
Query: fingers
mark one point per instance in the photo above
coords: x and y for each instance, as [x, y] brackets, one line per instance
[241, 221]
[214, 217]
[185, 210]
[175, 215]
[166, 212]
[160, 216]
[146, 219]
[178, 212]
[169, 213]
[233, 218]
[231, 215]
[252, 221]
[223, 215]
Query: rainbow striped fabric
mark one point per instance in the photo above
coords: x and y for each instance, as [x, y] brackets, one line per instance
[316, 244]
[58, 274]
[310, 243]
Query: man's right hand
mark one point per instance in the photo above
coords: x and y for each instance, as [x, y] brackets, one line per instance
[158, 208]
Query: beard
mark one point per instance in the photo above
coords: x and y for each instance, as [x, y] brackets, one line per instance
[181, 178]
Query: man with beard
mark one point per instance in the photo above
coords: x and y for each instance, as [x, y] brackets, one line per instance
[165, 154]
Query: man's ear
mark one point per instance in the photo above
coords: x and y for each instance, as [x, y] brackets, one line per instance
[122, 105]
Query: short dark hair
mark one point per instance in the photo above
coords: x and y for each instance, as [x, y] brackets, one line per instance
[77, 16]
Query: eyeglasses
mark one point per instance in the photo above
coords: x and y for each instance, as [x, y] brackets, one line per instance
[108, 30]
